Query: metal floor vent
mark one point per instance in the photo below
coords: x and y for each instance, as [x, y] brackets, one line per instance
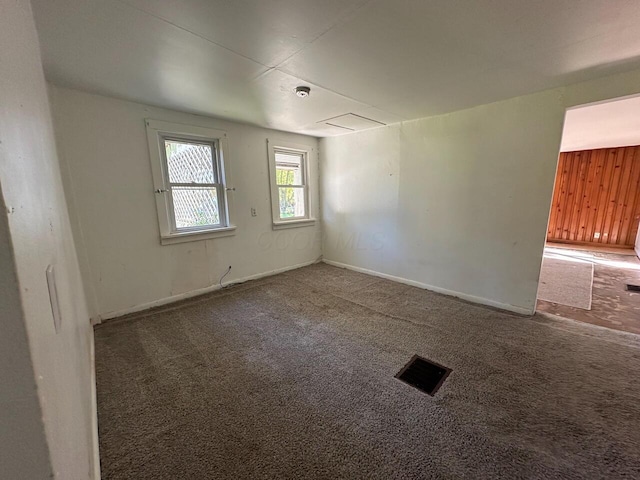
[633, 288]
[424, 375]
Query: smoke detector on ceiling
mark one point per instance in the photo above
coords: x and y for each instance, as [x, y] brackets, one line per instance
[303, 92]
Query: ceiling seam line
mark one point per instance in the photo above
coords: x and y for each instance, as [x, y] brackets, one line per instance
[202, 37]
[342, 21]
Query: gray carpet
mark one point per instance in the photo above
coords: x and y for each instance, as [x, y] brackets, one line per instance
[566, 281]
[292, 377]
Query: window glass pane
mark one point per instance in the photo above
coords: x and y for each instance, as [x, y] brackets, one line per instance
[189, 162]
[195, 207]
[291, 202]
[289, 168]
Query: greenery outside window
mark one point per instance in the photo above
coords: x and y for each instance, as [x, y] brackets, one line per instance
[288, 166]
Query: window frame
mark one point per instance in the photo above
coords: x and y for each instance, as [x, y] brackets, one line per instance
[157, 133]
[219, 185]
[305, 151]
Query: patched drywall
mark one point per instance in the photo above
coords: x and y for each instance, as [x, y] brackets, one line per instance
[457, 203]
[107, 174]
[47, 396]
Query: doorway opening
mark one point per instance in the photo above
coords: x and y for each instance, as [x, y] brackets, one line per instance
[591, 258]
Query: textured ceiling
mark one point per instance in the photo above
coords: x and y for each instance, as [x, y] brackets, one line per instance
[383, 60]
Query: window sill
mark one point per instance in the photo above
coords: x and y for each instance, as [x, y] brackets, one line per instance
[304, 222]
[197, 235]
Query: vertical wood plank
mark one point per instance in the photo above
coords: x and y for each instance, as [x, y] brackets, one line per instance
[603, 194]
[617, 156]
[633, 222]
[623, 195]
[600, 158]
[578, 198]
[582, 234]
[555, 199]
[571, 187]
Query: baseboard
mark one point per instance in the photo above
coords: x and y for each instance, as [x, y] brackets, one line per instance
[95, 459]
[192, 293]
[444, 291]
[570, 243]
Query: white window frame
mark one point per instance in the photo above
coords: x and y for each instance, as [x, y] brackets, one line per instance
[274, 146]
[159, 131]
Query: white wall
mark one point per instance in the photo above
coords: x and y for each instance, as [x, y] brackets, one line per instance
[458, 203]
[103, 146]
[602, 125]
[21, 429]
[47, 396]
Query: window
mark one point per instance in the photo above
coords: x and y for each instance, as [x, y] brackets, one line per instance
[288, 166]
[189, 181]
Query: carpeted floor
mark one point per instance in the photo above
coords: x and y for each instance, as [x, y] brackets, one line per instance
[566, 281]
[292, 377]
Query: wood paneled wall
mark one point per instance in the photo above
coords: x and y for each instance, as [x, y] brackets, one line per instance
[596, 199]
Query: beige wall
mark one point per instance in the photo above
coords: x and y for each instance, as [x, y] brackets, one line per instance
[103, 146]
[47, 396]
[457, 203]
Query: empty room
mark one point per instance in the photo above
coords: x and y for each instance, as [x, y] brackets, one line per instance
[304, 239]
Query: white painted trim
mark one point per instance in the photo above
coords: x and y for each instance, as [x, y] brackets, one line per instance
[602, 102]
[444, 291]
[195, 235]
[95, 443]
[192, 293]
[157, 131]
[306, 222]
[593, 272]
[305, 151]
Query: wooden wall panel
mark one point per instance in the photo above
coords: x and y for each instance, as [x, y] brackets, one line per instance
[596, 198]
